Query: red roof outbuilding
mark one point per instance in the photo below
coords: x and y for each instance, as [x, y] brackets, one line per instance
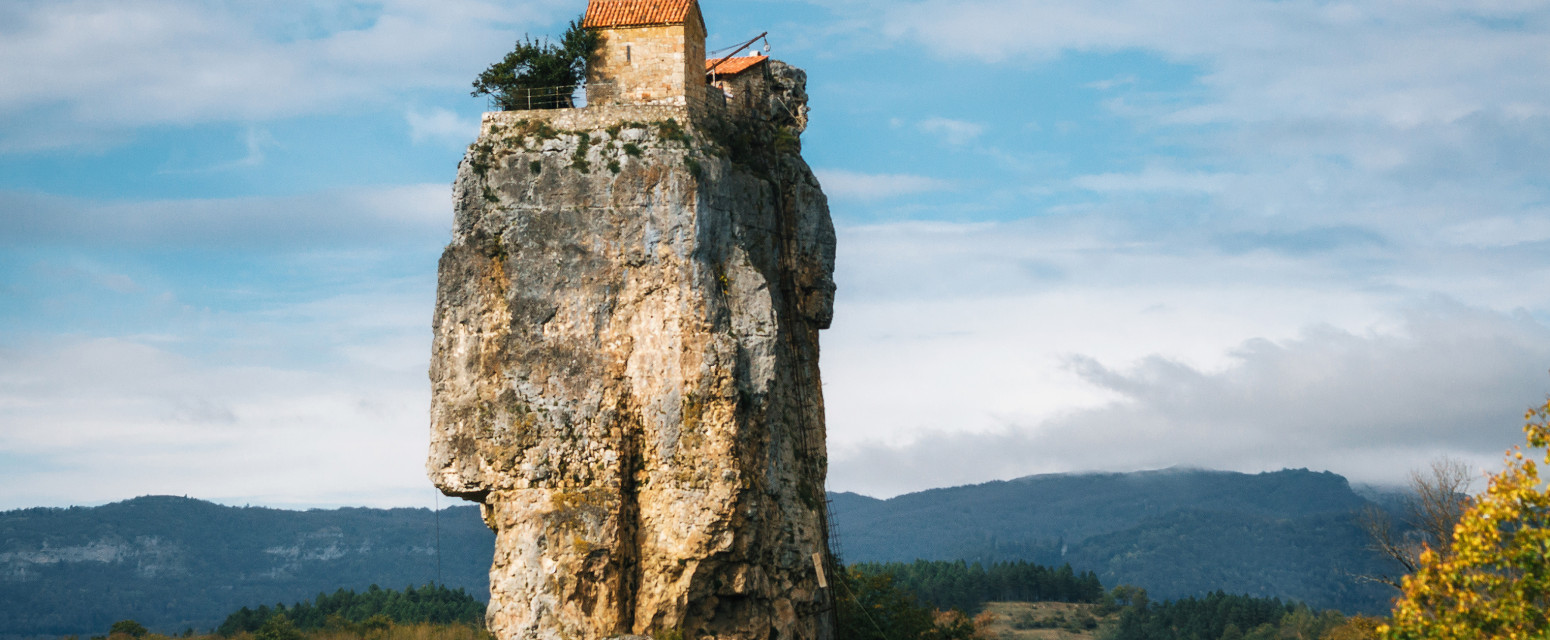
[603, 14]
[734, 66]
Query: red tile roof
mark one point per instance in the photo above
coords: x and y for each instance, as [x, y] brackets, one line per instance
[636, 13]
[734, 66]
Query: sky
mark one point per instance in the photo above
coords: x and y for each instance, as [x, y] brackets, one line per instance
[1074, 235]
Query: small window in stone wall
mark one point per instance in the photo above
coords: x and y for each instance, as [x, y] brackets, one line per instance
[627, 55]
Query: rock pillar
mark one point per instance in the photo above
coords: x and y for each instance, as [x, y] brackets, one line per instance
[625, 371]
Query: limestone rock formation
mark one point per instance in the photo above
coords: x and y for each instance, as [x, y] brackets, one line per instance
[625, 370]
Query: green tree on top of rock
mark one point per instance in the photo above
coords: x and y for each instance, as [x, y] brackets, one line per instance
[539, 74]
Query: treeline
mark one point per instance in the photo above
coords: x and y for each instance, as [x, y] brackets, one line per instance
[431, 604]
[280, 628]
[914, 602]
[871, 606]
[967, 587]
[1219, 616]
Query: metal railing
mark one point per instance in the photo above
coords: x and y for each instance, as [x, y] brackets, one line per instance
[580, 96]
[566, 97]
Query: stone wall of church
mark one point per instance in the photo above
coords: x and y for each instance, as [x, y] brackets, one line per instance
[649, 65]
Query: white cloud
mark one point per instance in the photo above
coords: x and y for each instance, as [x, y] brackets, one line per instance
[1501, 231]
[953, 132]
[1406, 120]
[268, 350]
[119, 283]
[946, 332]
[1405, 124]
[1398, 63]
[961, 327]
[842, 184]
[413, 213]
[85, 273]
[73, 69]
[1155, 179]
[251, 420]
[441, 126]
[1450, 380]
[255, 140]
[1112, 83]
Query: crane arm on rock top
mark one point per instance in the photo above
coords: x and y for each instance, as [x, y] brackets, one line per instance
[740, 49]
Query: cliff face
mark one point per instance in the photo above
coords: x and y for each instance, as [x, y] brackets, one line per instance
[625, 370]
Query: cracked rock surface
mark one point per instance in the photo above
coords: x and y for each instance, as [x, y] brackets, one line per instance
[625, 370]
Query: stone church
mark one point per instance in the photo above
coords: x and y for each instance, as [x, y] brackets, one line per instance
[653, 53]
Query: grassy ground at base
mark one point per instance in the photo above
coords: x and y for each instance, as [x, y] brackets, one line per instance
[1042, 620]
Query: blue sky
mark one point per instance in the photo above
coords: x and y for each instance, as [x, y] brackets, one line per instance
[1074, 235]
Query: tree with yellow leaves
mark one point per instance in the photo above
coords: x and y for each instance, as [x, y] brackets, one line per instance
[1495, 581]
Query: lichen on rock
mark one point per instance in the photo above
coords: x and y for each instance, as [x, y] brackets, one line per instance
[625, 370]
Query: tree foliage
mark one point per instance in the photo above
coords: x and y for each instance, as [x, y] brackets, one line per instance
[348, 610]
[1230, 617]
[1436, 502]
[1495, 580]
[540, 74]
[278, 627]
[1355, 628]
[968, 586]
[870, 606]
[1212, 616]
[128, 628]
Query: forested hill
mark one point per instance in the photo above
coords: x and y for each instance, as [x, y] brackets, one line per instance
[1288, 534]
[175, 563]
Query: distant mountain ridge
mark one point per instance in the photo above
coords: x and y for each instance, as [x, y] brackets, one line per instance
[1177, 532]
[176, 563]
